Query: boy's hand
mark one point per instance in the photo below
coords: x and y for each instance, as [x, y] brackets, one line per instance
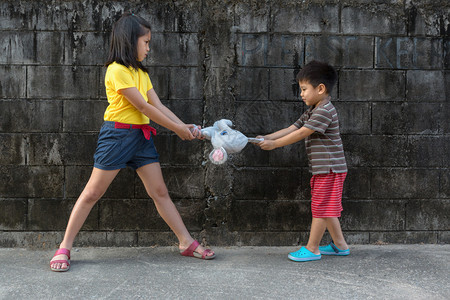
[267, 145]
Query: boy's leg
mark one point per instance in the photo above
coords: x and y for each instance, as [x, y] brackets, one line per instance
[334, 228]
[153, 181]
[318, 227]
[95, 188]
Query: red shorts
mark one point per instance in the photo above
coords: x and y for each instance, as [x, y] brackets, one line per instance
[326, 195]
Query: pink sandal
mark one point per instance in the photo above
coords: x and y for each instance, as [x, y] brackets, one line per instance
[190, 251]
[62, 261]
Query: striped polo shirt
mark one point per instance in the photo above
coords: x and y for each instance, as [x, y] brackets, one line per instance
[324, 147]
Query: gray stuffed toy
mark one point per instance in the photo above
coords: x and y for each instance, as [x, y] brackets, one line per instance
[225, 140]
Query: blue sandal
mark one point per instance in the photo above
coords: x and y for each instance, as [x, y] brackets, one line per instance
[331, 249]
[303, 255]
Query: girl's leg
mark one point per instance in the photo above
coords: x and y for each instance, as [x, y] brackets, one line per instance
[334, 228]
[95, 188]
[318, 227]
[153, 181]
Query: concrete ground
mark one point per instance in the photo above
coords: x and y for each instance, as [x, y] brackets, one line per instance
[370, 272]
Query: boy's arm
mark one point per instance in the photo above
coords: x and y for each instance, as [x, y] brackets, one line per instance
[280, 133]
[288, 139]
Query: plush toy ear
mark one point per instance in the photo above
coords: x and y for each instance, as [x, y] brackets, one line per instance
[218, 156]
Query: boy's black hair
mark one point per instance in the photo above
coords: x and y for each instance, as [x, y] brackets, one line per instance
[124, 37]
[317, 72]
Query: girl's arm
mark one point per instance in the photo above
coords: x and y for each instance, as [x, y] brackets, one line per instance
[135, 98]
[156, 102]
[293, 137]
[280, 133]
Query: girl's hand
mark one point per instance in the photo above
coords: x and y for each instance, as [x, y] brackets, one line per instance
[196, 132]
[184, 132]
[267, 145]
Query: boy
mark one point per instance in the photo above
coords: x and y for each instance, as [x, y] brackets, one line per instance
[319, 126]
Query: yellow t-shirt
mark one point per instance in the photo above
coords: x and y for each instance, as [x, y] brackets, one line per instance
[120, 109]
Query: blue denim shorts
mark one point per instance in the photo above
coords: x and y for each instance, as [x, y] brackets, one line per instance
[118, 148]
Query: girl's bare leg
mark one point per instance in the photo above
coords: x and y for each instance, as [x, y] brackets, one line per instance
[153, 181]
[95, 188]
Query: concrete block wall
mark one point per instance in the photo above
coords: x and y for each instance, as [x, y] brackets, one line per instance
[238, 60]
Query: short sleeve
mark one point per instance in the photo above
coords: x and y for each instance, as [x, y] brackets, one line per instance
[301, 121]
[319, 121]
[121, 78]
[149, 83]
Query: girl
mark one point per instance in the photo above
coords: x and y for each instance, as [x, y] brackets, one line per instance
[125, 138]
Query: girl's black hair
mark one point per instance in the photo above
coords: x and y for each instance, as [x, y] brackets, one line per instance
[124, 37]
[317, 72]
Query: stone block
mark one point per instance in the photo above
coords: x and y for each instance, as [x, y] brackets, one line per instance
[39, 211]
[33, 240]
[375, 150]
[254, 156]
[83, 115]
[180, 16]
[31, 181]
[251, 17]
[13, 83]
[185, 152]
[425, 86]
[141, 214]
[248, 215]
[34, 15]
[421, 237]
[444, 237]
[370, 85]
[62, 149]
[13, 149]
[445, 116]
[425, 151]
[340, 51]
[189, 111]
[174, 49]
[269, 184]
[159, 76]
[252, 84]
[444, 183]
[185, 83]
[132, 214]
[401, 183]
[283, 85]
[357, 184]
[155, 239]
[373, 18]
[16, 48]
[76, 178]
[408, 53]
[405, 118]
[428, 214]
[86, 48]
[373, 215]
[447, 54]
[182, 183]
[274, 50]
[62, 82]
[264, 117]
[354, 117]
[289, 215]
[13, 214]
[30, 116]
[308, 17]
[275, 238]
[91, 239]
[122, 239]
